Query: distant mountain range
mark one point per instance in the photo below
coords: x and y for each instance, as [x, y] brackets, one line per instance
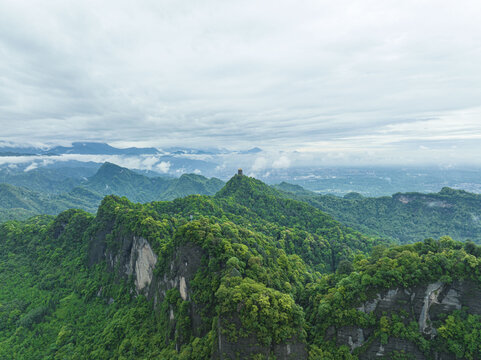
[90, 148]
[44, 191]
[93, 148]
[221, 163]
[49, 180]
[99, 148]
[173, 161]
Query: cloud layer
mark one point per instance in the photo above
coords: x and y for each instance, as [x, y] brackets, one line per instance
[373, 81]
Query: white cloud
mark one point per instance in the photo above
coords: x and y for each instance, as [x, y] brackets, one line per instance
[32, 166]
[357, 80]
[149, 161]
[163, 167]
[131, 162]
[16, 159]
[282, 162]
[260, 163]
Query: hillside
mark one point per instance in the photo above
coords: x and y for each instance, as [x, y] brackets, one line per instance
[116, 180]
[113, 179]
[13, 197]
[17, 203]
[404, 217]
[246, 274]
[22, 203]
[57, 180]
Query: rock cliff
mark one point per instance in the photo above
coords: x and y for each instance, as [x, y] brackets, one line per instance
[424, 304]
[132, 257]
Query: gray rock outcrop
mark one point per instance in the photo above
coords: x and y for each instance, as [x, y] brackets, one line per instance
[426, 304]
[133, 257]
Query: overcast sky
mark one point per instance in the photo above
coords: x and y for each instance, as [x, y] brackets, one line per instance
[351, 81]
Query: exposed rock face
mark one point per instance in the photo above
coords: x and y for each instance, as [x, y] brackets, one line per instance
[183, 288]
[142, 263]
[248, 347]
[378, 351]
[133, 256]
[425, 303]
[352, 336]
[183, 266]
[430, 297]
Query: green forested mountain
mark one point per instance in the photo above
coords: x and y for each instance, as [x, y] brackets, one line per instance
[48, 180]
[16, 197]
[247, 274]
[17, 203]
[113, 179]
[116, 180]
[20, 202]
[404, 217]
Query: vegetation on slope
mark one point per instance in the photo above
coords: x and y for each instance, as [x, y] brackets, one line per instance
[272, 269]
[22, 202]
[18, 203]
[405, 217]
[334, 300]
[115, 180]
[48, 180]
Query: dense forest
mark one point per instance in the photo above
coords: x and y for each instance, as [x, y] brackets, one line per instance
[244, 274]
[403, 217]
[50, 191]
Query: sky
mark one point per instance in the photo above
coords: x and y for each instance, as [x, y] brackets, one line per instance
[328, 82]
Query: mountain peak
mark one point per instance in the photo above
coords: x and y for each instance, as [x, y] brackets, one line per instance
[292, 188]
[243, 187]
[109, 169]
[109, 172]
[450, 191]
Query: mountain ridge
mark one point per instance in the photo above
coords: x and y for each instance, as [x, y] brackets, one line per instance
[223, 277]
[405, 217]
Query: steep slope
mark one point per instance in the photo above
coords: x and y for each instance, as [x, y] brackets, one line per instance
[417, 301]
[268, 203]
[404, 217]
[196, 273]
